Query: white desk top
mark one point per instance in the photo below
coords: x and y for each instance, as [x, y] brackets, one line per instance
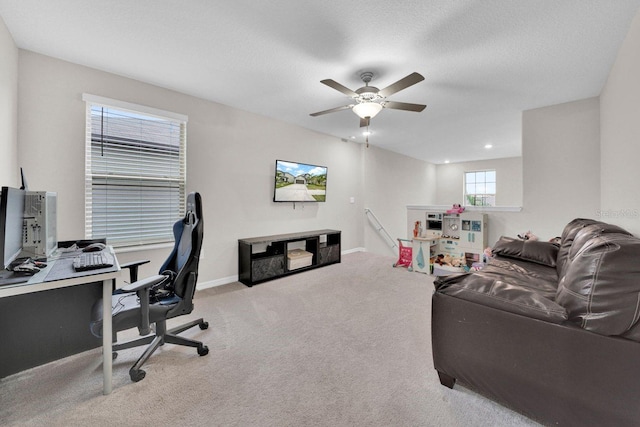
[39, 282]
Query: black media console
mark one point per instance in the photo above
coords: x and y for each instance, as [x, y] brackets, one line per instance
[265, 258]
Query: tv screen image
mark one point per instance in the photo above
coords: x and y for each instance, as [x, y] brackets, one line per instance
[299, 182]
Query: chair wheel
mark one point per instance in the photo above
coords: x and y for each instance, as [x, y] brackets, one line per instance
[137, 375]
[203, 350]
[204, 325]
[114, 355]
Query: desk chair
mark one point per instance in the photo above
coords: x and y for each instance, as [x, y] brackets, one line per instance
[155, 299]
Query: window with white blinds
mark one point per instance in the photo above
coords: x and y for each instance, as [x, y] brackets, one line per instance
[135, 172]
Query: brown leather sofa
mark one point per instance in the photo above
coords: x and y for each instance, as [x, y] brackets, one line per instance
[548, 330]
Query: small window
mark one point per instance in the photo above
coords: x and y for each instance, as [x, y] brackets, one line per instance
[135, 172]
[480, 188]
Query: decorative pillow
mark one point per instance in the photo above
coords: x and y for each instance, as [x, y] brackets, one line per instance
[544, 253]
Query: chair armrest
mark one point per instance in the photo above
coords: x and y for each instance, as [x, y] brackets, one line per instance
[141, 288]
[145, 283]
[133, 268]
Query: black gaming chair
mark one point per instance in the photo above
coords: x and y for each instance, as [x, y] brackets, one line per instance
[161, 297]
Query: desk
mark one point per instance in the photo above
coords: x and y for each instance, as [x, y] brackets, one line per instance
[42, 282]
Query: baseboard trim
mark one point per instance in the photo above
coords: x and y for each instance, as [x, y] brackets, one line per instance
[216, 282]
[350, 251]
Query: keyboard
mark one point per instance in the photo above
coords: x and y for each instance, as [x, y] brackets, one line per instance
[92, 261]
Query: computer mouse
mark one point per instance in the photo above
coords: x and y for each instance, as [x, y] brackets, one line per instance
[94, 247]
[26, 267]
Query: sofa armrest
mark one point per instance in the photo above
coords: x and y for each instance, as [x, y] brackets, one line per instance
[142, 289]
[145, 283]
[555, 374]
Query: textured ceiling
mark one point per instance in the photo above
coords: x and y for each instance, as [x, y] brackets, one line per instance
[484, 62]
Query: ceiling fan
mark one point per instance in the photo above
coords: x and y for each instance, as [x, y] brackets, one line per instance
[370, 100]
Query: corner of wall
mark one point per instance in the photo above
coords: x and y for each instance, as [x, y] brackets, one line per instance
[8, 107]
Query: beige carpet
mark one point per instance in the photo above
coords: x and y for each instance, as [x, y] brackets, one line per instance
[344, 345]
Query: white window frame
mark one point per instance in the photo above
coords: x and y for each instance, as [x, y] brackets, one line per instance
[485, 189]
[133, 229]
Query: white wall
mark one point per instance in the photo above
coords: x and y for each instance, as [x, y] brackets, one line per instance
[567, 171]
[391, 182]
[620, 136]
[230, 160]
[561, 170]
[450, 178]
[8, 108]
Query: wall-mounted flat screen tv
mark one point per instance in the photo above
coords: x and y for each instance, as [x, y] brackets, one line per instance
[299, 182]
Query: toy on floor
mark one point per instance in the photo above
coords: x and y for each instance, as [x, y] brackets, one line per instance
[405, 256]
[448, 260]
[487, 254]
[486, 257]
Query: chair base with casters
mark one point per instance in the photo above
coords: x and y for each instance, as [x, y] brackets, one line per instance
[161, 337]
[147, 304]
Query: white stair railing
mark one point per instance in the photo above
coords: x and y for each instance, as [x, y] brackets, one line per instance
[380, 229]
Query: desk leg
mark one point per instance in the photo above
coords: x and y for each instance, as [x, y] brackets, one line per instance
[106, 336]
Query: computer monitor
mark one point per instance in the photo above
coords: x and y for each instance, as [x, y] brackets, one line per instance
[11, 224]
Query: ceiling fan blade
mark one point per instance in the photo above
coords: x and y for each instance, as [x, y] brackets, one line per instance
[404, 106]
[403, 83]
[365, 122]
[333, 110]
[337, 86]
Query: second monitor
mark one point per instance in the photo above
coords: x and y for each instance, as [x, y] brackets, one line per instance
[11, 224]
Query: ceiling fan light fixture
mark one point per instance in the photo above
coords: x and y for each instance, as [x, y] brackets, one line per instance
[367, 109]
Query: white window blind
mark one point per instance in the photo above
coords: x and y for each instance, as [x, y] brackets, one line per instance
[135, 172]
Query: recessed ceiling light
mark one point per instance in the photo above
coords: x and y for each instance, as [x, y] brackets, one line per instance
[487, 146]
[366, 133]
[352, 137]
[446, 161]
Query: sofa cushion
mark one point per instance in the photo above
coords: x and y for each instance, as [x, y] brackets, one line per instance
[581, 237]
[601, 287]
[566, 240]
[544, 253]
[518, 287]
[571, 231]
[589, 232]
